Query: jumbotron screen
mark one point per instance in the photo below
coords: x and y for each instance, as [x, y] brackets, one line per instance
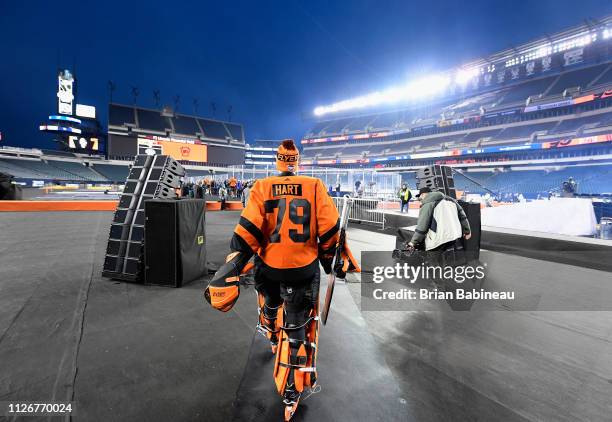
[128, 146]
[176, 150]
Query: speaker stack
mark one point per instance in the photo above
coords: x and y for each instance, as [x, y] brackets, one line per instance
[438, 178]
[9, 190]
[472, 246]
[151, 177]
[175, 246]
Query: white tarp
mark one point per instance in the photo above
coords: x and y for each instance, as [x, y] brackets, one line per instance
[569, 216]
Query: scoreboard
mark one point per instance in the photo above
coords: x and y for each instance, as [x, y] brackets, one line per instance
[84, 143]
[124, 146]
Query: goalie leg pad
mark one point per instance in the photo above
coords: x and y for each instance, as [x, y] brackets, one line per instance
[295, 363]
[267, 316]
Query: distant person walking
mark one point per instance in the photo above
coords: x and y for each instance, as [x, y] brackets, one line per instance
[223, 196]
[404, 195]
[232, 186]
[245, 194]
[199, 191]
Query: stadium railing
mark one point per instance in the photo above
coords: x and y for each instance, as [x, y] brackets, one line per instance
[364, 210]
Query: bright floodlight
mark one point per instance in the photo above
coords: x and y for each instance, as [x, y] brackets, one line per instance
[421, 88]
[465, 75]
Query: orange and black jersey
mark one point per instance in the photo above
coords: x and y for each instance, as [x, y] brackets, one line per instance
[288, 220]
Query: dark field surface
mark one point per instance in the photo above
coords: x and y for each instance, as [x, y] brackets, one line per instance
[128, 352]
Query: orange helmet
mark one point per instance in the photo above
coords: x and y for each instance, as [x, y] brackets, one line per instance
[287, 156]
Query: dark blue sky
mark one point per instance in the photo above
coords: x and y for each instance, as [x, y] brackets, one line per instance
[271, 60]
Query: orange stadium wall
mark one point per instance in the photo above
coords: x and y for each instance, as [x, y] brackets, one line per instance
[21, 206]
[42, 206]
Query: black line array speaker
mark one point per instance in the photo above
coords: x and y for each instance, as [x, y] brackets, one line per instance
[9, 190]
[438, 178]
[151, 177]
[175, 246]
[472, 246]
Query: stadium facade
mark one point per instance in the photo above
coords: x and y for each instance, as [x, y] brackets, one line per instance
[262, 152]
[538, 110]
[521, 120]
[189, 139]
[201, 144]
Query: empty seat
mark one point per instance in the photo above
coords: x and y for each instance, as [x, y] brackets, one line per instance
[119, 115]
[580, 78]
[213, 129]
[114, 173]
[185, 125]
[152, 120]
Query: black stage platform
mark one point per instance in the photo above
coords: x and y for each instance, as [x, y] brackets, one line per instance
[130, 352]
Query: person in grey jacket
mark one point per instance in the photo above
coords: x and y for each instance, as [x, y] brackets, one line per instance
[245, 194]
[429, 200]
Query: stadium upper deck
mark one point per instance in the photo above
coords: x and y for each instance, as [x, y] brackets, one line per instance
[188, 138]
[34, 167]
[558, 89]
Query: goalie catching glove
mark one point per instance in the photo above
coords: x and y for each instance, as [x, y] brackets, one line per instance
[224, 288]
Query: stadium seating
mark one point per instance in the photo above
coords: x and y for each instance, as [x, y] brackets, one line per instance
[526, 90]
[114, 173]
[318, 128]
[124, 118]
[605, 78]
[77, 171]
[21, 168]
[185, 125]
[152, 120]
[359, 123]
[213, 129]
[475, 136]
[236, 131]
[524, 131]
[337, 126]
[58, 153]
[590, 179]
[387, 120]
[423, 133]
[574, 124]
[120, 115]
[37, 169]
[577, 78]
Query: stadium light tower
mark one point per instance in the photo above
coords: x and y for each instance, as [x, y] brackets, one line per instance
[111, 88]
[135, 93]
[156, 95]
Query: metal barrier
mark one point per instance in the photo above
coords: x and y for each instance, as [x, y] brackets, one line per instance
[364, 210]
